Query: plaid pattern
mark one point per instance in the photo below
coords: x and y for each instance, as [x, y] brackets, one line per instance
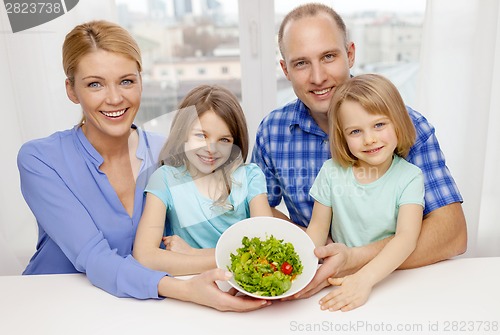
[291, 148]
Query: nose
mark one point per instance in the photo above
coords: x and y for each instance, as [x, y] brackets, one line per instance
[114, 95]
[370, 138]
[318, 73]
[211, 146]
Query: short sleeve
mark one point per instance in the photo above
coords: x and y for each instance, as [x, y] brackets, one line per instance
[414, 192]
[321, 190]
[256, 181]
[158, 185]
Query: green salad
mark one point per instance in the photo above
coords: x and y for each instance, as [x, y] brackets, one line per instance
[265, 267]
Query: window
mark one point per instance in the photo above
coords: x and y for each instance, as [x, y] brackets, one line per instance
[387, 35]
[198, 41]
[184, 43]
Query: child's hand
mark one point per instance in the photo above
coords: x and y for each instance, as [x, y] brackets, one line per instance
[352, 292]
[177, 244]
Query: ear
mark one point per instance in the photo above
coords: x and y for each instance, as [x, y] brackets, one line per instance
[70, 92]
[284, 68]
[351, 53]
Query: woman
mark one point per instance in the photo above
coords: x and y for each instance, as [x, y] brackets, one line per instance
[85, 185]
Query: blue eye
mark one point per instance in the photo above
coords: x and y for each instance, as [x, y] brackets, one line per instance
[329, 57]
[379, 125]
[94, 85]
[354, 132]
[300, 64]
[127, 82]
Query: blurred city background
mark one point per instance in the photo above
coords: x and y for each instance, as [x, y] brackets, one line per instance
[189, 42]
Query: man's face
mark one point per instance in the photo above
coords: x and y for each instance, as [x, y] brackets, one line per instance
[316, 60]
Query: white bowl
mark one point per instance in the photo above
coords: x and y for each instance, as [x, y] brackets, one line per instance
[264, 227]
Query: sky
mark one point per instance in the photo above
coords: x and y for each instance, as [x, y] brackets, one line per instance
[342, 6]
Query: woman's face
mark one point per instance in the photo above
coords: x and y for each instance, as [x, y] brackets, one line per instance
[209, 144]
[108, 87]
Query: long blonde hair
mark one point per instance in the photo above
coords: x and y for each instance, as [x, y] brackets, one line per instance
[377, 95]
[224, 104]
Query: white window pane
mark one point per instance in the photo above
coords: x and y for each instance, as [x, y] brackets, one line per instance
[387, 35]
[184, 43]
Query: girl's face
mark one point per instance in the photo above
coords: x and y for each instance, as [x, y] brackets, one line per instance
[209, 144]
[108, 87]
[370, 137]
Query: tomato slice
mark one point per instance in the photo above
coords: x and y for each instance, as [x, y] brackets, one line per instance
[286, 268]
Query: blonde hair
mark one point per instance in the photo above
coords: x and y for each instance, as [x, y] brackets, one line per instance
[97, 35]
[197, 102]
[377, 95]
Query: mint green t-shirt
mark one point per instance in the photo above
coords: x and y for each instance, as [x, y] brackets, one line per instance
[193, 216]
[364, 213]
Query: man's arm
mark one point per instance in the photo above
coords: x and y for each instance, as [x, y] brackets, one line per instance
[443, 236]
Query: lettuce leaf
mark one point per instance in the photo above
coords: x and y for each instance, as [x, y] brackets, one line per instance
[256, 265]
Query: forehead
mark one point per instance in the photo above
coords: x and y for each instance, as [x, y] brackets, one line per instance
[352, 112]
[211, 122]
[317, 32]
[104, 63]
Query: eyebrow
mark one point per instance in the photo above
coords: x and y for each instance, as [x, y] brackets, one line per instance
[377, 120]
[102, 78]
[203, 131]
[301, 58]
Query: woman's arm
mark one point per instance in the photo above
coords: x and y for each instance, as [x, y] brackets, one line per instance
[147, 244]
[203, 290]
[68, 204]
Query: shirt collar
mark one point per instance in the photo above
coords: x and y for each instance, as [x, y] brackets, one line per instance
[303, 119]
[95, 156]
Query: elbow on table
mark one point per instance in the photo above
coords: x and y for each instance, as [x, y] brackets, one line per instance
[461, 239]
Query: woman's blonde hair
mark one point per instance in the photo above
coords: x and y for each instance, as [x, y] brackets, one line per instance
[377, 95]
[97, 35]
[224, 104]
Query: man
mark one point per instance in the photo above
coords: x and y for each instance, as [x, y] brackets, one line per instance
[292, 144]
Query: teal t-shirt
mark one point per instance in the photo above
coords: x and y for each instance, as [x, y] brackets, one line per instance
[193, 216]
[364, 213]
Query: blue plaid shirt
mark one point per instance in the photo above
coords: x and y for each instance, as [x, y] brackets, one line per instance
[291, 148]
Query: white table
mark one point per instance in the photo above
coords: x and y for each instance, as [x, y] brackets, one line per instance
[460, 296]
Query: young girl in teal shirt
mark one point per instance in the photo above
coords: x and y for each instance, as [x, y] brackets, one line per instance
[203, 186]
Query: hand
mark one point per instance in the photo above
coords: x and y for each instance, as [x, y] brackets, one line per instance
[335, 256]
[204, 291]
[352, 292]
[177, 244]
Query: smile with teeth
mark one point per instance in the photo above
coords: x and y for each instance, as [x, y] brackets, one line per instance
[326, 90]
[207, 160]
[373, 150]
[114, 114]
